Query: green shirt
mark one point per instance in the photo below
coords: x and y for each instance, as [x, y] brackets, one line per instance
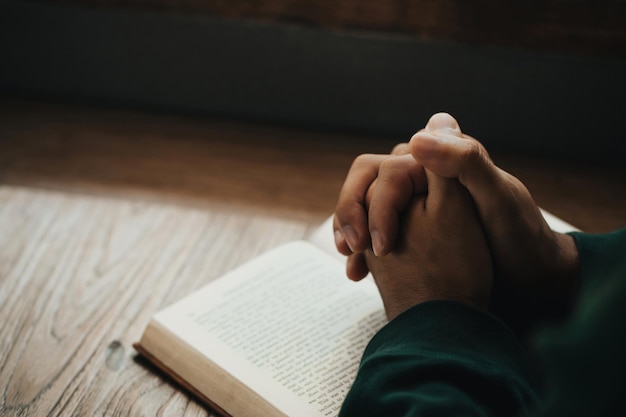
[442, 358]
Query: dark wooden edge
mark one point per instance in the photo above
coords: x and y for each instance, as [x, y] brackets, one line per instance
[179, 380]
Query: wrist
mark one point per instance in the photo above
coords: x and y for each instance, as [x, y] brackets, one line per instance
[397, 304]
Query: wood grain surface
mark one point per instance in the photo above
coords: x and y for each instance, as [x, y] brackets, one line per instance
[80, 277]
[277, 170]
[177, 158]
[103, 225]
[107, 215]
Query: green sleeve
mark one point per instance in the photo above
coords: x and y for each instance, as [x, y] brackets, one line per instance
[602, 259]
[585, 357]
[442, 358]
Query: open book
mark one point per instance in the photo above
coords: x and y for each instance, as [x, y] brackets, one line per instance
[281, 335]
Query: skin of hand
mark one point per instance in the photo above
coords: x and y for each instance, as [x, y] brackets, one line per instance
[441, 252]
[529, 258]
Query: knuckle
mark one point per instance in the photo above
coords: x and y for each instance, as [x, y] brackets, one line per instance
[387, 164]
[364, 160]
[394, 167]
[472, 153]
[395, 163]
[350, 212]
[400, 149]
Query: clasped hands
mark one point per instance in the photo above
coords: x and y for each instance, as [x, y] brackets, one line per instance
[437, 220]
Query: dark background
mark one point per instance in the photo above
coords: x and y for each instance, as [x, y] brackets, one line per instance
[534, 77]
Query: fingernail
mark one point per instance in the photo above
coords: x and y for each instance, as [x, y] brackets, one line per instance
[339, 239]
[443, 121]
[378, 245]
[351, 237]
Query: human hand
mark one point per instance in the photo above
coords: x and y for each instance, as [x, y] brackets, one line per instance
[397, 174]
[441, 252]
[529, 258]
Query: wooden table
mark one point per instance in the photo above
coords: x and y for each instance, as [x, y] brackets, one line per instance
[81, 277]
[106, 216]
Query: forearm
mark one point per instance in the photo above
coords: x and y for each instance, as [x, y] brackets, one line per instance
[442, 358]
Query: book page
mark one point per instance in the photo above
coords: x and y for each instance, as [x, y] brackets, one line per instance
[289, 325]
[557, 224]
[324, 238]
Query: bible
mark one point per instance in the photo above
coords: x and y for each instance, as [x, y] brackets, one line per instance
[281, 335]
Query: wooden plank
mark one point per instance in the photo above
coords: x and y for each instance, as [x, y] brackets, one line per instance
[80, 278]
[191, 160]
[279, 171]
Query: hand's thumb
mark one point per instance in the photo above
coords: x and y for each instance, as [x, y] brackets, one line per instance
[442, 149]
[443, 123]
[452, 155]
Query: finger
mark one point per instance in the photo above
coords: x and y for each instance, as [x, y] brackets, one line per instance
[443, 193]
[440, 125]
[463, 158]
[446, 151]
[356, 267]
[444, 123]
[401, 149]
[369, 194]
[340, 241]
[449, 153]
[350, 219]
[399, 179]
